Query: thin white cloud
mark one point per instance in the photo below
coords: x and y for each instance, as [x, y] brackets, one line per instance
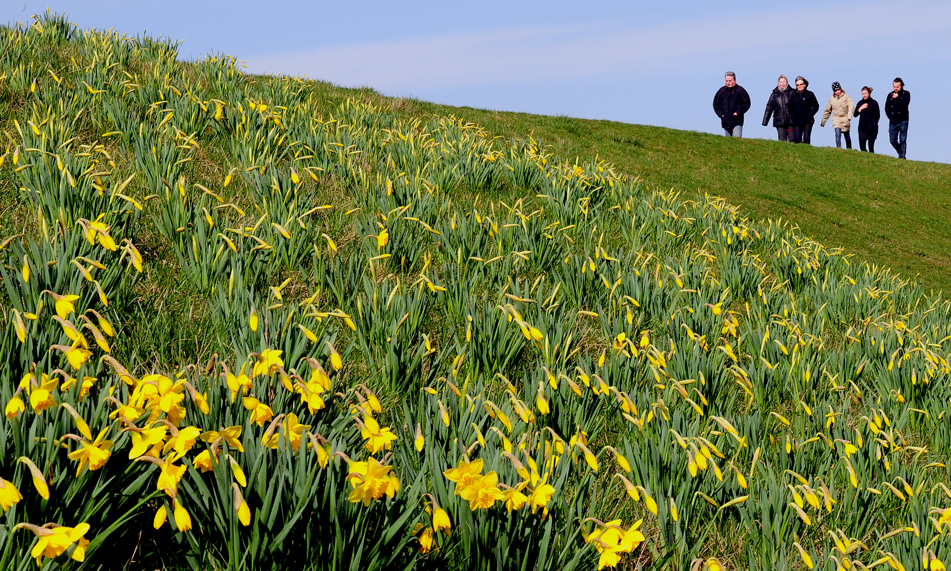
[613, 50]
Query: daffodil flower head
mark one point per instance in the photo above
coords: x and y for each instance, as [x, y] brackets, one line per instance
[465, 472]
[98, 231]
[267, 362]
[9, 494]
[514, 498]
[14, 407]
[93, 454]
[481, 491]
[371, 481]
[260, 412]
[376, 438]
[53, 542]
[611, 540]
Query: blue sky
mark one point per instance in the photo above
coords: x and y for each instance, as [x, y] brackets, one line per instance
[656, 63]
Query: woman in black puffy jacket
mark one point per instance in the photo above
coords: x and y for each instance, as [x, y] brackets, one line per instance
[803, 107]
[868, 113]
[778, 107]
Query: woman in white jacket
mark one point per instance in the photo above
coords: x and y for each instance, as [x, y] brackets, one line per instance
[840, 107]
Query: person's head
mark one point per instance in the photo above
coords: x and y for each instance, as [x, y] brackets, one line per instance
[783, 82]
[730, 78]
[898, 84]
[801, 83]
[837, 89]
[866, 92]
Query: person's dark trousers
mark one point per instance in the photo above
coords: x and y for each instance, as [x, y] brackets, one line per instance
[785, 134]
[802, 134]
[863, 139]
[898, 134]
[839, 133]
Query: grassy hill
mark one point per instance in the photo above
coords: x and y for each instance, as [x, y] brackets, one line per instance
[267, 323]
[890, 213]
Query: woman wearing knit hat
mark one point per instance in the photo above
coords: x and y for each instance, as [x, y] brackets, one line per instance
[840, 107]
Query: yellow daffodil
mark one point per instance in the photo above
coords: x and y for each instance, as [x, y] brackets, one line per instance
[481, 491]
[54, 541]
[169, 477]
[514, 498]
[293, 433]
[267, 362]
[148, 440]
[75, 354]
[160, 516]
[240, 383]
[371, 481]
[465, 472]
[94, 454]
[41, 398]
[9, 494]
[260, 412]
[541, 495]
[204, 461]
[611, 541]
[426, 539]
[376, 438]
[181, 442]
[241, 506]
[231, 436]
[64, 304]
[441, 520]
[419, 441]
[183, 521]
[14, 407]
[98, 231]
[335, 361]
[39, 481]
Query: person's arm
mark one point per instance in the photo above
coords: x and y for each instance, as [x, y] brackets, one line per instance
[851, 104]
[743, 102]
[717, 103]
[813, 106]
[826, 113]
[874, 113]
[769, 110]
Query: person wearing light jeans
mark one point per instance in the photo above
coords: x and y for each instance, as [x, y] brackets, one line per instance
[730, 104]
[840, 108]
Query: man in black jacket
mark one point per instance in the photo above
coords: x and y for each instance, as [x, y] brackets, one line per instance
[730, 103]
[896, 108]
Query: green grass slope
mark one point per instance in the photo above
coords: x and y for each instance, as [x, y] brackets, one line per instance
[892, 213]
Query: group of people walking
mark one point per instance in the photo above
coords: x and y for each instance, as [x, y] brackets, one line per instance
[794, 111]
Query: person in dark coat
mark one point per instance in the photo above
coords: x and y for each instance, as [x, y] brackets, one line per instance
[868, 113]
[803, 107]
[896, 108]
[778, 107]
[730, 104]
